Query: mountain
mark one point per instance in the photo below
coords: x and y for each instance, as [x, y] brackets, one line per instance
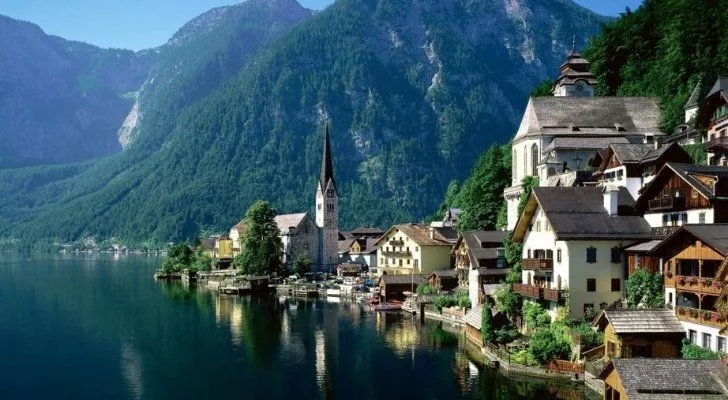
[414, 91]
[662, 49]
[62, 101]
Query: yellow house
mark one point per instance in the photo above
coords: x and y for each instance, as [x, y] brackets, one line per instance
[224, 248]
[414, 249]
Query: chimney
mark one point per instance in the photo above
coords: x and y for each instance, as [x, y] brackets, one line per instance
[432, 233]
[658, 144]
[611, 197]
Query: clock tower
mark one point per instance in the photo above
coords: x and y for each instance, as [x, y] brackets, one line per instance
[575, 78]
[327, 210]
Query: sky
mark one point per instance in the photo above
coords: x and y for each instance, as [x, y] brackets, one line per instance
[142, 24]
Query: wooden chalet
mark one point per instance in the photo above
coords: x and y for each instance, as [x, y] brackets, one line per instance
[651, 333]
[638, 257]
[392, 287]
[714, 116]
[444, 280]
[696, 268]
[664, 379]
[683, 194]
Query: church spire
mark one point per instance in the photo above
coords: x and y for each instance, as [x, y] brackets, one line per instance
[327, 165]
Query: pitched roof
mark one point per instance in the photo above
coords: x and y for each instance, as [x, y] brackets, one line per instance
[446, 273]
[287, 221]
[327, 165]
[492, 271]
[364, 231]
[482, 245]
[720, 86]
[625, 320]
[659, 378]
[689, 173]
[588, 143]
[345, 245]
[714, 235]
[207, 244]
[694, 99]
[644, 247]
[474, 316]
[403, 279]
[578, 213]
[597, 116]
[420, 234]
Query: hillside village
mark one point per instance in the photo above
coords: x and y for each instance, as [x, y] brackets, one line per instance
[615, 198]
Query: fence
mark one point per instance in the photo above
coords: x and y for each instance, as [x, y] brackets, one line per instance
[564, 366]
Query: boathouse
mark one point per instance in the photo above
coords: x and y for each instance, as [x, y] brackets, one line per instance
[392, 287]
[651, 333]
[444, 280]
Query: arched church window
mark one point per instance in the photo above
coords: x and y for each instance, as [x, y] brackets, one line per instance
[534, 159]
[525, 160]
[515, 164]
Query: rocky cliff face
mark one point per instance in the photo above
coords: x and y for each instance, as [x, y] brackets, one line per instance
[61, 101]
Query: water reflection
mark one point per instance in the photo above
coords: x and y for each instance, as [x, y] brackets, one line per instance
[131, 370]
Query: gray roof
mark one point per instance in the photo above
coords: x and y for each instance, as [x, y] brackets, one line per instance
[420, 234]
[473, 316]
[631, 153]
[492, 271]
[403, 279]
[656, 378]
[344, 245]
[644, 247]
[367, 231]
[625, 320]
[598, 116]
[446, 273]
[587, 143]
[720, 86]
[694, 99]
[483, 245]
[287, 221]
[578, 213]
[690, 173]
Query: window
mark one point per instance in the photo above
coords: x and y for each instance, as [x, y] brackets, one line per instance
[534, 159]
[330, 207]
[408, 249]
[550, 254]
[664, 219]
[669, 298]
[538, 226]
[591, 255]
[591, 285]
[707, 339]
[529, 253]
[417, 263]
[381, 261]
[400, 262]
[684, 218]
[722, 344]
[616, 255]
[408, 262]
[417, 248]
[558, 255]
[693, 337]
[587, 307]
[616, 284]
[701, 218]
[547, 226]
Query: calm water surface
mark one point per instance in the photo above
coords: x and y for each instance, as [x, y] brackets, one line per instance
[97, 326]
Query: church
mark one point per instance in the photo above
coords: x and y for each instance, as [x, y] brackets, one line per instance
[301, 235]
[559, 134]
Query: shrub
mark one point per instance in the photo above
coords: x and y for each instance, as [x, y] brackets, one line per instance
[486, 324]
[506, 334]
[444, 301]
[535, 316]
[547, 345]
[692, 352]
[425, 288]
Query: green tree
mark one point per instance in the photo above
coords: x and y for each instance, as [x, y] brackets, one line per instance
[301, 266]
[547, 345]
[645, 290]
[482, 193]
[262, 248]
[535, 316]
[486, 323]
[543, 89]
[692, 352]
[201, 261]
[450, 201]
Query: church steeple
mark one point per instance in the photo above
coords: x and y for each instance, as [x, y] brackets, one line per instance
[327, 165]
[575, 79]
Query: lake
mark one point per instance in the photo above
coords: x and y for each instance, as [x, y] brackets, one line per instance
[99, 326]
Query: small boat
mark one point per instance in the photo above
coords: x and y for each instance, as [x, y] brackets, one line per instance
[387, 307]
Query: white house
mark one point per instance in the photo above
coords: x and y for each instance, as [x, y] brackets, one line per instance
[480, 262]
[572, 239]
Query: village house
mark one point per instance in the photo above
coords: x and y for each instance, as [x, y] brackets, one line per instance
[363, 251]
[572, 239]
[414, 249]
[695, 259]
[683, 194]
[560, 134]
[367, 232]
[714, 116]
[302, 237]
[392, 287]
[443, 280]
[652, 333]
[480, 262]
[634, 165]
[449, 219]
[686, 133]
[664, 379]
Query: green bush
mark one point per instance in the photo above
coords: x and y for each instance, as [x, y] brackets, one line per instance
[535, 316]
[506, 334]
[547, 345]
[425, 288]
[445, 301]
[486, 324]
[589, 337]
[693, 352]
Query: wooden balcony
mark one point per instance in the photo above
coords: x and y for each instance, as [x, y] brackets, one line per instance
[662, 232]
[667, 203]
[395, 242]
[703, 317]
[530, 291]
[553, 295]
[698, 285]
[537, 264]
[392, 253]
[717, 144]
